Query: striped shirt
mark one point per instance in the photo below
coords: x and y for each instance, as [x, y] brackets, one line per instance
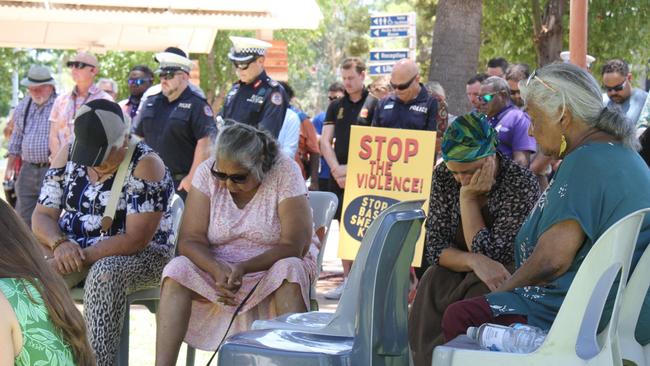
[31, 143]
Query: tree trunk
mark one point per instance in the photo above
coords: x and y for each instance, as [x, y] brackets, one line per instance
[455, 47]
[548, 30]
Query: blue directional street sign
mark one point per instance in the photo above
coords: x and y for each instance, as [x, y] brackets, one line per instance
[392, 32]
[384, 20]
[389, 55]
[381, 69]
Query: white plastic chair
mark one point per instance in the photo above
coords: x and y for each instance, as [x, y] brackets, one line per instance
[633, 297]
[572, 339]
[323, 205]
[148, 297]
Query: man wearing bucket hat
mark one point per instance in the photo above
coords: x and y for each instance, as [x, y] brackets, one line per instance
[84, 68]
[255, 99]
[177, 122]
[28, 143]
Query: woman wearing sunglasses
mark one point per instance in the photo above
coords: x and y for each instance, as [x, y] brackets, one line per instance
[479, 200]
[601, 180]
[247, 228]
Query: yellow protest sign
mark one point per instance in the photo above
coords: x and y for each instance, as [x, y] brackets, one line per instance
[385, 166]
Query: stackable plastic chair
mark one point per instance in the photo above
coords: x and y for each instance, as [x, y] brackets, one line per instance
[148, 297]
[633, 297]
[323, 205]
[573, 338]
[369, 325]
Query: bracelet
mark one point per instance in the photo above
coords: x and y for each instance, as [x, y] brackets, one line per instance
[58, 242]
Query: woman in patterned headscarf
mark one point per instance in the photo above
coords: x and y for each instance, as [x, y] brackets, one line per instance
[479, 200]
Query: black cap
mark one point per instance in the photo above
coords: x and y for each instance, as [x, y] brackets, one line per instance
[98, 125]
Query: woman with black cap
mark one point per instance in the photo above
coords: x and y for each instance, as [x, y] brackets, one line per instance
[72, 218]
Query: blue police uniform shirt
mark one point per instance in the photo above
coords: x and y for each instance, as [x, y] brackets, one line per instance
[262, 104]
[420, 113]
[174, 128]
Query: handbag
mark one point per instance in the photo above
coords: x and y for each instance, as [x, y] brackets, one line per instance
[116, 188]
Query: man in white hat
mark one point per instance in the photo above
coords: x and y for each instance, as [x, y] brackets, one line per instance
[84, 68]
[255, 99]
[29, 140]
[177, 122]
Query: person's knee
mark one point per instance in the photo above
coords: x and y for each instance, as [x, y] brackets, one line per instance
[453, 321]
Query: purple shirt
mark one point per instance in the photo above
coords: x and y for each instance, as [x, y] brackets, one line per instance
[512, 125]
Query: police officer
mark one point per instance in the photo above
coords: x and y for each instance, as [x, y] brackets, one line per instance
[177, 122]
[410, 106]
[255, 99]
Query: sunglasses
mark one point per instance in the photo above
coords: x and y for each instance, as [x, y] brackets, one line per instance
[243, 65]
[235, 178]
[616, 88]
[78, 64]
[514, 92]
[405, 85]
[487, 98]
[331, 98]
[168, 75]
[138, 82]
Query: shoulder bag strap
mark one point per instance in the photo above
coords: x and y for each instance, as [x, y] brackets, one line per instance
[116, 188]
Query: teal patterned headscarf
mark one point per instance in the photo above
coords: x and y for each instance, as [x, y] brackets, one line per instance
[469, 138]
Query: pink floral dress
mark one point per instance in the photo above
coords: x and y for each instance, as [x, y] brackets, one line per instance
[236, 235]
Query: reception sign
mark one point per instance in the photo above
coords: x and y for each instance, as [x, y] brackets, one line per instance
[385, 166]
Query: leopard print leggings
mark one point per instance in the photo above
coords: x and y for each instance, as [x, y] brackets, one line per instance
[108, 283]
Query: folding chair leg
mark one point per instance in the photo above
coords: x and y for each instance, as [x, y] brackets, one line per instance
[191, 353]
[123, 352]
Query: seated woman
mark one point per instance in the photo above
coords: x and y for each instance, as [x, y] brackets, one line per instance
[68, 220]
[479, 199]
[247, 222]
[34, 302]
[601, 179]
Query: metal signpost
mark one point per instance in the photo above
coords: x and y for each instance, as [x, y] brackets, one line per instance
[391, 26]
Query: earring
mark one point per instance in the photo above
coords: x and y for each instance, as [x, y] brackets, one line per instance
[562, 146]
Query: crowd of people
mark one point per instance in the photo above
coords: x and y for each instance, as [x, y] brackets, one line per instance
[520, 193]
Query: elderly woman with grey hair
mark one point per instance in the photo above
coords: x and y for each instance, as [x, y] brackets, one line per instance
[597, 184]
[247, 229]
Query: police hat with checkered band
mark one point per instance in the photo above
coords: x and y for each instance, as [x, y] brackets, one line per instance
[246, 49]
[173, 59]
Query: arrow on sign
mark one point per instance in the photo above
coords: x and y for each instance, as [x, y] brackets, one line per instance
[378, 21]
[382, 69]
[393, 32]
[391, 55]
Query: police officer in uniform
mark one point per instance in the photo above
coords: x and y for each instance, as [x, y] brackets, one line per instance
[410, 106]
[255, 99]
[177, 122]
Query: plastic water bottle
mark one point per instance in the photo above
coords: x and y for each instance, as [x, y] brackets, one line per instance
[517, 338]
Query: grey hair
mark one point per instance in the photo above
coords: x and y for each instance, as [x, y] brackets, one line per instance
[568, 86]
[498, 84]
[254, 149]
[109, 81]
[435, 88]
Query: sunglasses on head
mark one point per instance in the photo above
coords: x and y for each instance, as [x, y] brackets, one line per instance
[617, 88]
[138, 82]
[534, 76]
[168, 75]
[405, 85]
[235, 178]
[77, 64]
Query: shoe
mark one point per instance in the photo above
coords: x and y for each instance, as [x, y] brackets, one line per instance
[335, 294]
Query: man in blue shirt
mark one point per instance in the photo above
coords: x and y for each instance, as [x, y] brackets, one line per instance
[409, 106]
[617, 82]
[334, 92]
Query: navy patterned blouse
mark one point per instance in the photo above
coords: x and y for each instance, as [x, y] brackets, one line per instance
[83, 202]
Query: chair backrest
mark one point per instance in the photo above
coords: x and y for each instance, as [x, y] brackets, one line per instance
[573, 333]
[387, 232]
[633, 298]
[177, 207]
[323, 206]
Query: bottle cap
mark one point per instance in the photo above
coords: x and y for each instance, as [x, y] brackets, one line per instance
[472, 332]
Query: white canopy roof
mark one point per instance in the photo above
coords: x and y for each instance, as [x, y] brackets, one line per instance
[144, 25]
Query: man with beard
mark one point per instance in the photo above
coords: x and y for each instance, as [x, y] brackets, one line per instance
[177, 122]
[617, 82]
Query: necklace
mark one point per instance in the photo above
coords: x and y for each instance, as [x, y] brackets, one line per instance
[100, 175]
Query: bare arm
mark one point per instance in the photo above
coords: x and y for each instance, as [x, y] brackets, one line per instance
[326, 149]
[551, 258]
[314, 162]
[45, 220]
[140, 227]
[521, 157]
[201, 153]
[10, 333]
[54, 138]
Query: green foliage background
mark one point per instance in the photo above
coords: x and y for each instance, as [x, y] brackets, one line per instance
[617, 28]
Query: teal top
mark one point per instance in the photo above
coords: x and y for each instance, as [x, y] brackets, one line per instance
[596, 185]
[43, 344]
